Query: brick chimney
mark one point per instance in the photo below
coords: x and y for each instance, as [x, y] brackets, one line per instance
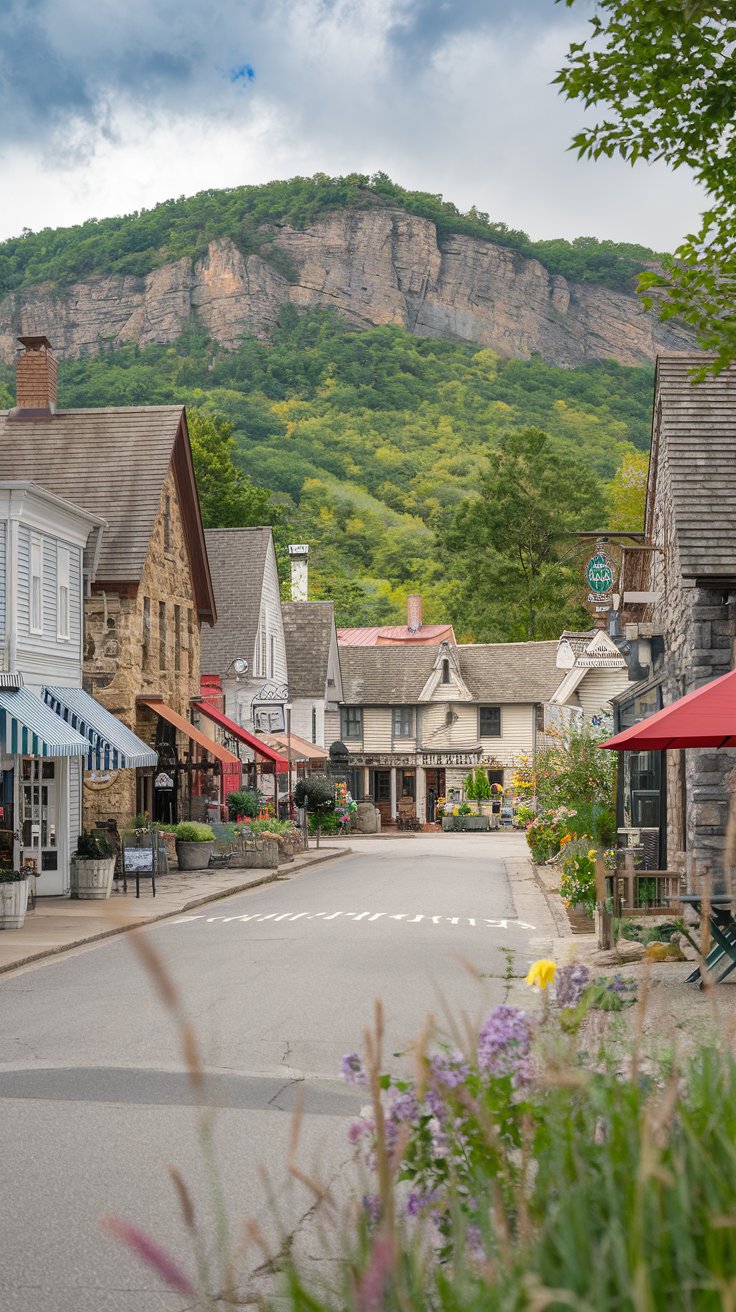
[414, 612]
[35, 383]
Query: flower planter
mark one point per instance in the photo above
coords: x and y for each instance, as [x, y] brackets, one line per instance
[465, 823]
[13, 903]
[194, 856]
[92, 877]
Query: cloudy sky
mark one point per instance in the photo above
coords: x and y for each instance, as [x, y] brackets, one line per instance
[108, 107]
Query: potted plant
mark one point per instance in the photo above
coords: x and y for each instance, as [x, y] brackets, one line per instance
[477, 787]
[92, 867]
[243, 804]
[13, 898]
[195, 844]
[317, 794]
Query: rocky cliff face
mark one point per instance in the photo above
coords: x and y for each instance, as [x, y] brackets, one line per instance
[373, 266]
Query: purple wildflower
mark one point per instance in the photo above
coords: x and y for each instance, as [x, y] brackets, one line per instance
[449, 1069]
[504, 1045]
[570, 984]
[352, 1069]
[372, 1207]
[419, 1200]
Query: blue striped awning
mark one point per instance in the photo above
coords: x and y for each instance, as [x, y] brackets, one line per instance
[29, 728]
[111, 744]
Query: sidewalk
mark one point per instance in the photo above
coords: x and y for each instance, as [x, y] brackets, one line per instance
[58, 924]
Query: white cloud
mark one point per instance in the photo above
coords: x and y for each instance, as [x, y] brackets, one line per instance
[142, 102]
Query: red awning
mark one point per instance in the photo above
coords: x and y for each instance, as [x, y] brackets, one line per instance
[703, 718]
[184, 726]
[256, 744]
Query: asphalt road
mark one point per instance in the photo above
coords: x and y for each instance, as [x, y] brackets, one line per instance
[277, 983]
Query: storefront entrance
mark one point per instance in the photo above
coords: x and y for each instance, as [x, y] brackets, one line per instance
[381, 794]
[7, 814]
[39, 825]
[434, 781]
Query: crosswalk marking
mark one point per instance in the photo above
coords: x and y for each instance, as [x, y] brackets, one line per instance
[354, 917]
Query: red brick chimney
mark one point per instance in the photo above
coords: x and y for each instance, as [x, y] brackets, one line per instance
[414, 612]
[35, 380]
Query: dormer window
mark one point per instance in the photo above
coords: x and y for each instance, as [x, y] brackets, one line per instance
[445, 671]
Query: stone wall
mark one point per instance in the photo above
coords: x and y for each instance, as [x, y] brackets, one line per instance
[123, 652]
[699, 629]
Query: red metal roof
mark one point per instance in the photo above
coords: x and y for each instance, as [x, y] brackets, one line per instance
[703, 718]
[250, 740]
[397, 635]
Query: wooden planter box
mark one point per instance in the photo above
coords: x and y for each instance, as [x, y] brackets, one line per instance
[458, 824]
[92, 877]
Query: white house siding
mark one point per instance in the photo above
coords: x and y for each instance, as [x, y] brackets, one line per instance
[331, 728]
[598, 687]
[461, 734]
[42, 657]
[3, 581]
[377, 729]
[303, 720]
[517, 735]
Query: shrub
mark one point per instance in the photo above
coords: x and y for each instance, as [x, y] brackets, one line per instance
[93, 847]
[477, 786]
[576, 772]
[545, 833]
[242, 803]
[577, 884]
[329, 823]
[189, 831]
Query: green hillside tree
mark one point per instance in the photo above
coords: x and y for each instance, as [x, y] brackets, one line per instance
[512, 547]
[665, 77]
[227, 498]
[627, 493]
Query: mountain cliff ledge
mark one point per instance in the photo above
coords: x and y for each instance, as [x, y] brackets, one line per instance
[380, 266]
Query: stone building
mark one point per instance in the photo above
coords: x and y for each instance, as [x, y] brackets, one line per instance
[681, 634]
[148, 588]
[416, 720]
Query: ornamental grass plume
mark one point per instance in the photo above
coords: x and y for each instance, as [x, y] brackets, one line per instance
[541, 973]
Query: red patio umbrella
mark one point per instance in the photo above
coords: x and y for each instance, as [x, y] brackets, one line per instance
[703, 718]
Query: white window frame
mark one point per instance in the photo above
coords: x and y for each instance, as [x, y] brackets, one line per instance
[263, 656]
[63, 593]
[35, 585]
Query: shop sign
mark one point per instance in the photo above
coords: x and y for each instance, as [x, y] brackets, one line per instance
[599, 577]
[451, 758]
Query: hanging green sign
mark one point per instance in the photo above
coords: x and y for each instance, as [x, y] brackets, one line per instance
[599, 574]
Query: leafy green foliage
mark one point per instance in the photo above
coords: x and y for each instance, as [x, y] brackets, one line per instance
[242, 803]
[317, 793]
[189, 831]
[664, 72]
[367, 442]
[134, 244]
[511, 544]
[93, 847]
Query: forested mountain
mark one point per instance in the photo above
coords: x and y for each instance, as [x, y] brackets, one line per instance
[373, 422]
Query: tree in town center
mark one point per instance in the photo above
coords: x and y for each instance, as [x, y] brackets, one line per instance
[477, 786]
[316, 794]
[512, 547]
[664, 74]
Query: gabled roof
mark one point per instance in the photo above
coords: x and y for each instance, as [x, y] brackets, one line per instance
[308, 628]
[113, 463]
[694, 450]
[238, 561]
[507, 672]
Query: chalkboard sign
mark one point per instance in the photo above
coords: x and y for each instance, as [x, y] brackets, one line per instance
[138, 859]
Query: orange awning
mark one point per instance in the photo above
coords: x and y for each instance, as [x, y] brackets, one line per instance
[295, 747]
[185, 727]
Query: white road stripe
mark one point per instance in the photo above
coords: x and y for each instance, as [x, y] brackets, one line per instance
[370, 918]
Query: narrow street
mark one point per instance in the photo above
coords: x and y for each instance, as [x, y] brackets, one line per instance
[278, 983]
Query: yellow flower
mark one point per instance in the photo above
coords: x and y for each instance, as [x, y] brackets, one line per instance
[592, 853]
[541, 973]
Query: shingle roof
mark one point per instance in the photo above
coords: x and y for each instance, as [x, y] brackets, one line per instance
[694, 439]
[579, 642]
[495, 672]
[308, 629]
[88, 456]
[237, 561]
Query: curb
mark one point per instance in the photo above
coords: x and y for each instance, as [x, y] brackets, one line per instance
[167, 915]
[554, 902]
